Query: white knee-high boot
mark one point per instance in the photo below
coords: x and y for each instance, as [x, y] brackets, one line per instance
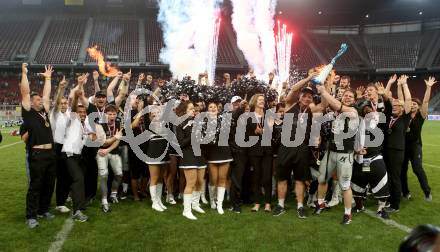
[187, 200]
[203, 192]
[159, 196]
[212, 196]
[155, 205]
[220, 197]
[196, 202]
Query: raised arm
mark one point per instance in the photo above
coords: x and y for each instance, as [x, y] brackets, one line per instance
[406, 93]
[47, 86]
[424, 109]
[60, 93]
[123, 89]
[82, 80]
[290, 98]
[113, 84]
[390, 83]
[96, 81]
[334, 104]
[24, 88]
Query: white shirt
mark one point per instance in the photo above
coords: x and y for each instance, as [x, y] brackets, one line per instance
[59, 122]
[76, 135]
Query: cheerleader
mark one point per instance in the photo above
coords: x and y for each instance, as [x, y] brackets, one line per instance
[157, 149]
[218, 159]
[193, 166]
[260, 156]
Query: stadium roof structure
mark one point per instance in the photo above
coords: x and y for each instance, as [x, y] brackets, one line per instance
[346, 12]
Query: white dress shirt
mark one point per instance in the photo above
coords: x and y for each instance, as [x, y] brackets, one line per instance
[59, 122]
[76, 135]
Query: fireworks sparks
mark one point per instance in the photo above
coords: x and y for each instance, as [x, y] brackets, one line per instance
[212, 52]
[283, 46]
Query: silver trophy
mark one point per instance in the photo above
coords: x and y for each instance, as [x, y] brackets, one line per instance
[320, 79]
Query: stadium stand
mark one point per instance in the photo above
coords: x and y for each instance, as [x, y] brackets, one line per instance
[304, 57]
[62, 41]
[330, 44]
[226, 54]
[436, 62]
[116, 36]
[394, 51]
[17, 35]
[153, 40]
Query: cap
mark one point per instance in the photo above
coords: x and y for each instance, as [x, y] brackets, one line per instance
[100, 93]
[308, 90]
[236, 99]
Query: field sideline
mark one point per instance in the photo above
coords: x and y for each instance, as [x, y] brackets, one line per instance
[133, 226]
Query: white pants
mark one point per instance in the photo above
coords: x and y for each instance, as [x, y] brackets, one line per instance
[115, 162]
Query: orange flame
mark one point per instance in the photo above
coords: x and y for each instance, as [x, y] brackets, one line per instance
[105, 68]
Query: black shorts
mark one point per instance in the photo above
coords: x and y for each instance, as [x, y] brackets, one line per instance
[294, 159]
[377, 178]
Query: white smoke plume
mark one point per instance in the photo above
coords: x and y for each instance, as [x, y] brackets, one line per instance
[253, 22]
[188, 27]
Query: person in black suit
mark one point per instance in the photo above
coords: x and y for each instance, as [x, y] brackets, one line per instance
[260, 156]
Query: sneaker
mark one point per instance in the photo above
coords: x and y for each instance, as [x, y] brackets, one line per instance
[383, 214]
[235, 209]
[255, 209]
[346, 220]
[114, 199]
[428, 197]
[391, 210]
[62, 209]
[32, 223]
[106, 208]
[333, 202]
[47, 216]
[278, 210]
[301, 213]
[170, 199]
[359, 209]
[359, 205]
[123, 196]
[319, 208]
[311, 203]
[407, 196]
[80, 217]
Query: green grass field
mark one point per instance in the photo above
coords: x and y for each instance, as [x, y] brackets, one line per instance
[133, 226]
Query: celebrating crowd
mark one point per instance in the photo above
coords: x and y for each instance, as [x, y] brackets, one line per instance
[248, 150]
